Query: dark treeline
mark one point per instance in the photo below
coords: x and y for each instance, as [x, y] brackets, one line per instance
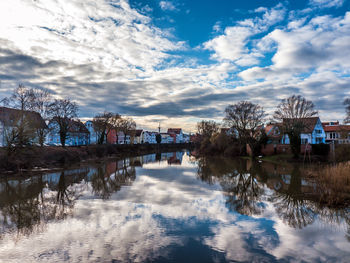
[243, 125]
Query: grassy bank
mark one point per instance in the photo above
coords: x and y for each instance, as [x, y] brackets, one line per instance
[49, 157]
[333, 183]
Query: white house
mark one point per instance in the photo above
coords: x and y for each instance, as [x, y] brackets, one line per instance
[120, 137]
[166, 138]
[128, 139]
[186, 138]
[313, 132]
[336, 133]
[138, 137]
[149, 137]
[93, 134]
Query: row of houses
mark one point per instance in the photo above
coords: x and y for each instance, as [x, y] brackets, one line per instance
[80, 133]
[314, 132]
[139, 136]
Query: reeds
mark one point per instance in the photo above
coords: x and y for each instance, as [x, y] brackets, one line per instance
[333, 183]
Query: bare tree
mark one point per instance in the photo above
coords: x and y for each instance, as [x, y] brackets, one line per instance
[22, 98]
[62, 113]
[19, 129]
[247, 120]
[42, 105]
[207, 128]
[347, 110]
[291, 112]
[128, 126]
[103, 124]
[20, 123]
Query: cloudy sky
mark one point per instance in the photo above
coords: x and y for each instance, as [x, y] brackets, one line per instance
[180, 61]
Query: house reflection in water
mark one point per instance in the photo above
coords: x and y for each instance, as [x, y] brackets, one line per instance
[170, 158]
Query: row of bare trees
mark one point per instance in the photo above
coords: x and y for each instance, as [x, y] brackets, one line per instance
[104, 123]
[24, 125]
[246, 120]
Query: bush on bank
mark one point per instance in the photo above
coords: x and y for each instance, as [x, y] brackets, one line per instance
[220, 144]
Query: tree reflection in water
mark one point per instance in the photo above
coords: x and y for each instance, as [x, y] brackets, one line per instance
[110, 177]
[20, 207]
[291, 204]
[27, 205]
[240, 185]
[244, 184]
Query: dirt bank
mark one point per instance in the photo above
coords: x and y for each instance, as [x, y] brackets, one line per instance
[51, 157]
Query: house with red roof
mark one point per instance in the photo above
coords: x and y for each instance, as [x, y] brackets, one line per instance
[176, 134]
[336, 133]
[274, 133]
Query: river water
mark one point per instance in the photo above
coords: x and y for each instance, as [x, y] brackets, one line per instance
[170, 207]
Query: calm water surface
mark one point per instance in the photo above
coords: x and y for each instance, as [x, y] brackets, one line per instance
[170, 207]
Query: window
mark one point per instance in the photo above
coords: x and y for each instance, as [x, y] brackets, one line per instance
[334, 135]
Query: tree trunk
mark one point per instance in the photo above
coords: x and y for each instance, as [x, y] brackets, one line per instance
[41, 136]
[63, 138]
[295, 142]
[101, 138]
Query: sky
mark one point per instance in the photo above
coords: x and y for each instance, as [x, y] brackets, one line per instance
[181, 61]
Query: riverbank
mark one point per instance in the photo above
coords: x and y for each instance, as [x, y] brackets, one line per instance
[28, 158]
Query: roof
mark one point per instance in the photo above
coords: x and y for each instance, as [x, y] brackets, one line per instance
[336, 128]
[138, 133]
[309, 123]
[8, 115]
[75, 126]
[174, 130]
[78, 126]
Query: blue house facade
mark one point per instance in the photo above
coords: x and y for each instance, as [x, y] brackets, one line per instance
[93, 134]
[313, 132]
[77, 134]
